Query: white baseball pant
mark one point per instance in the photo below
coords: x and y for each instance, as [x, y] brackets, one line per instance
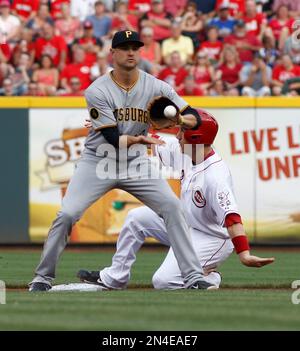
[142, 223]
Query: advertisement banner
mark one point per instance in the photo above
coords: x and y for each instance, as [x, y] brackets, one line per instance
[277, 144]
[261, 147]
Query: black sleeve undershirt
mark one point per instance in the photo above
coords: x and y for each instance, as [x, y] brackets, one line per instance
[111, 134]
[191, 111]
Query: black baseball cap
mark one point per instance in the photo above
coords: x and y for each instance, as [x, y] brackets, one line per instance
[126, 36]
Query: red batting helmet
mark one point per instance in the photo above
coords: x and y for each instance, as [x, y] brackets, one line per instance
[206, 132]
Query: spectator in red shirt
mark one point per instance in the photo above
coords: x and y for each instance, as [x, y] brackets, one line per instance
[25, 9]
[36, 23]
[5, 52]
[256, 23]
[79, 68]
[175, 7]
[52, 45]
[47, 76]
[89, 43]
[282, 26]
[212, 47]
[281, 20]
[75, 88]
[229, 68]
[175, 73]
[56, 8]
[245, 43]
[68, 27]
[122, 19]
[190, 88]
[159, 20]
[139, 6]
[284, 72]
[203, 71]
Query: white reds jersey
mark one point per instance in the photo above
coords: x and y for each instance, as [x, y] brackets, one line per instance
[206, 188]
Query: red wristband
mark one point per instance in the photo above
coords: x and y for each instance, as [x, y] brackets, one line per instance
[240, 243]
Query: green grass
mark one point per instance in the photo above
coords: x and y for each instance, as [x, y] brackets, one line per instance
[252, 299]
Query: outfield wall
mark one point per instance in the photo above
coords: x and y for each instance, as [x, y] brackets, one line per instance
[41, 140]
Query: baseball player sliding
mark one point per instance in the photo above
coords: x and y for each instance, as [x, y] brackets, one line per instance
[210, 207]
[117, 104]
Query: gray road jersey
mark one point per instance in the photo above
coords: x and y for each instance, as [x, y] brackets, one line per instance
[111, 105]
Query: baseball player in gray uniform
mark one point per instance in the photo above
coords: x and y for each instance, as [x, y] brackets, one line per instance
[117, 104]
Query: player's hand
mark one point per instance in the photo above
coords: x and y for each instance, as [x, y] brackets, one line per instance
[88, 124]
[145, 140]
[253, 261]
[126, 141]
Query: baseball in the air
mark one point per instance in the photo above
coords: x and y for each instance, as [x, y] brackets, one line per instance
[170, 111]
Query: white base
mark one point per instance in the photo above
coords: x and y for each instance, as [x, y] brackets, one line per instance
[76, 287]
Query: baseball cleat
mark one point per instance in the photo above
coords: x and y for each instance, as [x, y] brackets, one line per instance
[203, 285]
[91, 277]
[214, 278]
[39, 286]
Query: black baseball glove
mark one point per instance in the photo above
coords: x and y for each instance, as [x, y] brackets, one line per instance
[156, 109]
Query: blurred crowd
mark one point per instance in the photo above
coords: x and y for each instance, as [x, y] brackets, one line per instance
[202, 47]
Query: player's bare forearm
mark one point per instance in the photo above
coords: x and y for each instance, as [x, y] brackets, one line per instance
[187, 121]
[245, 256]
[236, 230]
[126, 141]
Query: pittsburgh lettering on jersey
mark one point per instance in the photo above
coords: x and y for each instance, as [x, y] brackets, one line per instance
[131, 114]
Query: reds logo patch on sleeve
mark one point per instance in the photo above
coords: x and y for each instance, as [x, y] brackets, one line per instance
[198, 198]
